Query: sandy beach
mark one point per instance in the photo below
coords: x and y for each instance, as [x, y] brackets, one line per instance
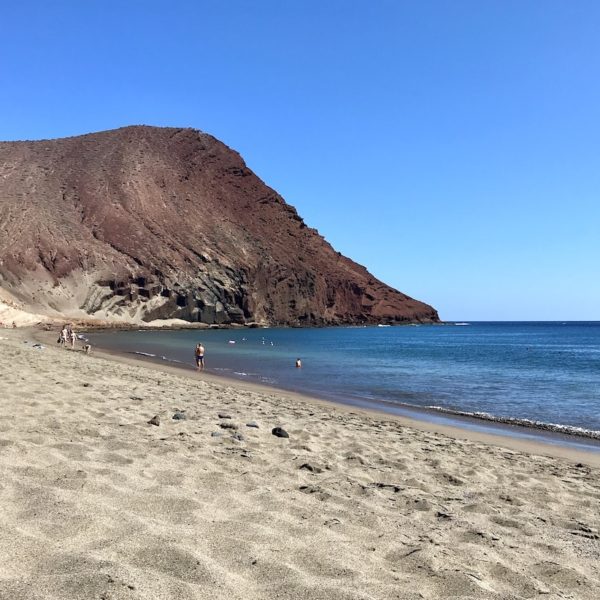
[97, 503]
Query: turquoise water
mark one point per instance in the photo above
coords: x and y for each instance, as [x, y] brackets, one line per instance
[538, 373]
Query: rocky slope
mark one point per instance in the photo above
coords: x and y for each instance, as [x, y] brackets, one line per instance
[143, 223]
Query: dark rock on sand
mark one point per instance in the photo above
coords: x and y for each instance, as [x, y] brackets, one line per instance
[252, 424]
[228, 425]
[179, 416]
[155, 420]
[443, 516]
[279, 432]
[391, 486]
[216, 434]
[311, 468]
[224, 416]
[238, 436]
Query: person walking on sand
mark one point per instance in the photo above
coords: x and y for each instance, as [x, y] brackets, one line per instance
[73, 337]
[63, 336]
[200, 357]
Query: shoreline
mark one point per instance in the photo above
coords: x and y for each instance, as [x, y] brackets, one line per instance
[515, 437]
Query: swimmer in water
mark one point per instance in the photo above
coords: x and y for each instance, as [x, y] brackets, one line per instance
[298, 363]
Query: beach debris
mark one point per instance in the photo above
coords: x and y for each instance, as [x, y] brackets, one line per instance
[280, 432]
[252, 424]
[227, 425]
[155, 420]
[223, 415]
[443, 516]
[238, 436]
[311, 468]
[390, 486]
[86, 384]
[179, 416]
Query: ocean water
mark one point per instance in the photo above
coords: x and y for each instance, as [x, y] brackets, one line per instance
[544, 375]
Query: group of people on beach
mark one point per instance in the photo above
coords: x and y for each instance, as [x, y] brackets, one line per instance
[68, 337]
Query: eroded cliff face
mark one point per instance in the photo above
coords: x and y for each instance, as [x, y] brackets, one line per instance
[146, 223]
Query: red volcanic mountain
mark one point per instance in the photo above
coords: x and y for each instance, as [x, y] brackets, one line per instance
[143, 223]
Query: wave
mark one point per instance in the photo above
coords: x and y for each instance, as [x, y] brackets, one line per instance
[462, 323]
[143, 353]
[173, 360]
[530, 423]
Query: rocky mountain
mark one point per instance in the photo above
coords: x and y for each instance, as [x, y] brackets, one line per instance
[144, 223]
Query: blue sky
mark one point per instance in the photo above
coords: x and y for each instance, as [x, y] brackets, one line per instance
[453, 148]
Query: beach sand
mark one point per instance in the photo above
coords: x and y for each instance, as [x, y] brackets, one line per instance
[96, 503]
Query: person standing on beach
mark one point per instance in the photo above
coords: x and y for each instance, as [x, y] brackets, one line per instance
[63, 336]
[200, 357]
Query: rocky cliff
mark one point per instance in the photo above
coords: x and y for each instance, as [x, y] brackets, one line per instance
[143, 223]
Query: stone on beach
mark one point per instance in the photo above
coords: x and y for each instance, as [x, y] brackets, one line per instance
[311, 468]
[280, 432]
[155, 420]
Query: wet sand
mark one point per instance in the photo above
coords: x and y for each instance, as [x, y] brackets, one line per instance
[97, 503]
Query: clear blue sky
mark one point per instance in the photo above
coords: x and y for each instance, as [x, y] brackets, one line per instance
[452, 147]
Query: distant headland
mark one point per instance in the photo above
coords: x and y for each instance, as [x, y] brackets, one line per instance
[144, 223]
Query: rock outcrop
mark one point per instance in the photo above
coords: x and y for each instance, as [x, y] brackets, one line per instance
[146, 223]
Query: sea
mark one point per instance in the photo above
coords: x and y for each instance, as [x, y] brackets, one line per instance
[524, 379]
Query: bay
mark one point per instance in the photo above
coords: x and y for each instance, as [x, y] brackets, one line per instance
[540, 373]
